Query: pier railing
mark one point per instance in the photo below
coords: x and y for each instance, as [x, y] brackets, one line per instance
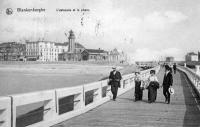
[193, 77]
[47, 108]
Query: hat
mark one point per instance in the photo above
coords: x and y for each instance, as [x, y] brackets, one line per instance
[114, 67]
[171, 91]
[167, 67]
[137, 72]
[152, 71]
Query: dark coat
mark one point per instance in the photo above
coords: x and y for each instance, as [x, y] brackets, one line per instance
[154, 84]
[168, 80]
[115, 79]
[174, 67]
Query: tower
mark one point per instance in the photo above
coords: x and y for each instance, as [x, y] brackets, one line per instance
[71, 48]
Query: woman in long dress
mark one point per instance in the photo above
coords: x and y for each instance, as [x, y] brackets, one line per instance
[138, 87]
[152, 87]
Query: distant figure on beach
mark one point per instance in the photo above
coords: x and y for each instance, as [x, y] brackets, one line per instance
[114, 81]
[167, 83]
[152, 86]
[138, 86]
[174, 67]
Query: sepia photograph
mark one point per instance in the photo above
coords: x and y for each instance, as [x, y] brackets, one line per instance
[99, 63]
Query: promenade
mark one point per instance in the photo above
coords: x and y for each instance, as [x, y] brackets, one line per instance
[183, 111]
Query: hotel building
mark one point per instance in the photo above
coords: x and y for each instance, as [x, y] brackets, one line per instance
[44, 50]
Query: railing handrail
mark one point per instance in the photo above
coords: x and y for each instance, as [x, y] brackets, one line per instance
[193, 77]
[190, 71]
[53, 96]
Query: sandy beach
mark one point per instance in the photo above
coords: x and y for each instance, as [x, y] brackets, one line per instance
[24, 78]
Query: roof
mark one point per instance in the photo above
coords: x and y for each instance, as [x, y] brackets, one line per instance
[3, 43]
[39, 41]
[95, 51]
[61, 44]
[169, 57]
[77, 45]
[11, 44]
[192, 53]
[114, 52]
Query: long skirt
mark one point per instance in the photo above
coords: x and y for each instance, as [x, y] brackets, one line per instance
[152, 94]
[138, 91]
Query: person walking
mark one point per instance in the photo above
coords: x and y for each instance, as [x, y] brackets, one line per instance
[114, 81]
[174, 67]
[138, 87]
[167, 83]
[152, 87]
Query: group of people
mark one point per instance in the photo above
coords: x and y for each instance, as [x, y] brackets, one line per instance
[172, 67]
[151, 84]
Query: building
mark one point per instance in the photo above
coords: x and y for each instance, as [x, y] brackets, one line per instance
[12, 51]
[74, 50]
[169, 59]
[114, 55]
[191, 56]
[117, 56]
[94, 54]
[72, 56]
[123, 57]
[44, 50]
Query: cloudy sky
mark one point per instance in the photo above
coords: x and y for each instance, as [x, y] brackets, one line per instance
[145, 29]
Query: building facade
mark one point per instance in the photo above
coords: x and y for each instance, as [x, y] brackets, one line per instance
[44, 50]
[198, 56]
[12, 51]
[74, 49]
[191, 57]
[169, 59]
[72, 56]
[94, 55]
[114, 55]
[117, 56]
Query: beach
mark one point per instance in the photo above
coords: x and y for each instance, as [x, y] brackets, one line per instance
[24, 78]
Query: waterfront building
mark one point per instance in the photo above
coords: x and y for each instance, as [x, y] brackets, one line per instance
[94, 55]
[74, 49]
[198, 56]
[72, 56]
[117, 56]
[44, 50]
[169, 59]
[70, 51]
[12, 51]
[191, 56]
[114, 55]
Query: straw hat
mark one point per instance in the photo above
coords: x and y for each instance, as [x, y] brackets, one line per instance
[114, 67]
[171, 91]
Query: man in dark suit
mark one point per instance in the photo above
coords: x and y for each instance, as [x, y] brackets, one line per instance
[114, 81]
[167, 83]
[174, 67]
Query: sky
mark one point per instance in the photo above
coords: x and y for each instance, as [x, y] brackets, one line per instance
[144, 29]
